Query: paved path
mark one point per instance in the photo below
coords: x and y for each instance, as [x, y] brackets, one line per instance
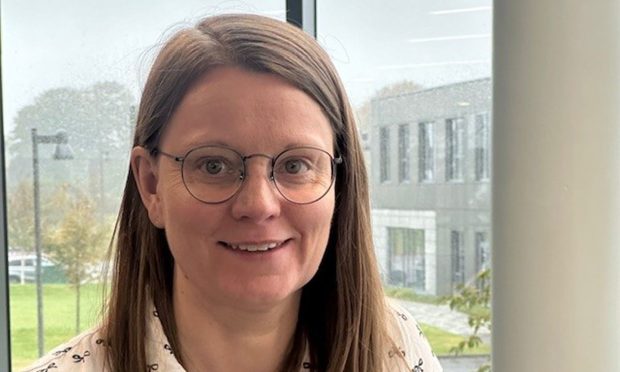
[462, 363]
[441, 316]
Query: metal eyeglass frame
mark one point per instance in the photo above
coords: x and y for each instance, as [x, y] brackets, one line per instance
[181, 159]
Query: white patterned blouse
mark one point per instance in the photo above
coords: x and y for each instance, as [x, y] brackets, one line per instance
[86, 352]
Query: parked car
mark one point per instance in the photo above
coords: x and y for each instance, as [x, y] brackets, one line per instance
[22, 269]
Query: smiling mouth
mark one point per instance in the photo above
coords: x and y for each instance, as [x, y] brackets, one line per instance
[257, 247]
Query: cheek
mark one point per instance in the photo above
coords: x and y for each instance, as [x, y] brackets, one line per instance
[179, 208]
[317, 221]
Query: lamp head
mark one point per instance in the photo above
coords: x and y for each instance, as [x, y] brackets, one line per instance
[63, 150]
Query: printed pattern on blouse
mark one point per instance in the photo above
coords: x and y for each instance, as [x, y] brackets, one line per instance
[86, 352]
[412, 347]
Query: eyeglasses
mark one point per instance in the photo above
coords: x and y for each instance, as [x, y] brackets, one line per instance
[214, 174]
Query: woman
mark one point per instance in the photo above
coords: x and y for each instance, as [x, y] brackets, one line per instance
[243, 241]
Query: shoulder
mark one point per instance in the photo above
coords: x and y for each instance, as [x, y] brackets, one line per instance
[85, 352]
[409, 340]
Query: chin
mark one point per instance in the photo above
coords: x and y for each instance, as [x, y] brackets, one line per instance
[265, 295]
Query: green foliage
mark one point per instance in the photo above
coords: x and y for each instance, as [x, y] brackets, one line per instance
[20, 208]
[99, 122]
[410, 295]
[94, 117]
[474, 300]
[79, 240]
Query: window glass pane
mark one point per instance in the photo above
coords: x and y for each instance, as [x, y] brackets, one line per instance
[427, 65]
[454, 149]
[385, 154]
[426, 151]
[482, 147]
[404, 146]
[78, 66]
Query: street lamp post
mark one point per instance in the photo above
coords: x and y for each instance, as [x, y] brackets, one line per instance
[63, 151]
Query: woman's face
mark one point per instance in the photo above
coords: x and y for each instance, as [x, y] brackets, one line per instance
[251, 113]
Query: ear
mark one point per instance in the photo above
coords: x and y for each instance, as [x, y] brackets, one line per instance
[144, 168]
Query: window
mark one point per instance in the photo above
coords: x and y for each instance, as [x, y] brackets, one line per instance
[425, 68]
[455, 150]
[458, 258]
[403, 153]
[384, 142]
[406, 258]
[88, 85]
[426, 150]
[483, 252]
[482, 147]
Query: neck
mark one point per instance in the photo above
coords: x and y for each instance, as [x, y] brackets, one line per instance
[218, 336]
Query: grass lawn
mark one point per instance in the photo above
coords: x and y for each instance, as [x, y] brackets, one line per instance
[59, 308]
[409, 295]
[442, 341]
[59, 317]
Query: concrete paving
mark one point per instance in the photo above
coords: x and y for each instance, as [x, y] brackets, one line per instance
[463, 363]
[441, 316]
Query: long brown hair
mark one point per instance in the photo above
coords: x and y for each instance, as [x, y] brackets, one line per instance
[342, 312]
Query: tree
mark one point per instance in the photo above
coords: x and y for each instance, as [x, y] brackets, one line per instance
[474, 299]
[96, 116]
[20, 206]
[99, 122]
[79, 241]
[20, 217]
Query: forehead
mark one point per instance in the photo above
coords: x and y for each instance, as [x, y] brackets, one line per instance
[252, 112]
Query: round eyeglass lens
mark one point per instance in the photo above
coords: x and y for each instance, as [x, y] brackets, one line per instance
[212, 174]
[303, 175]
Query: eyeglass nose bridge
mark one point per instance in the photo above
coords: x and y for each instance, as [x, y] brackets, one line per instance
[247, 157]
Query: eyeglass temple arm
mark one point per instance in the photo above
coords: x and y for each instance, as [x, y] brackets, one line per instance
[156, 151]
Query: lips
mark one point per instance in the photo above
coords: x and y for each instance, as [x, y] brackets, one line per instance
[255, 246]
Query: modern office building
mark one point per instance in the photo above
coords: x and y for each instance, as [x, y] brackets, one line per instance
[431, 199]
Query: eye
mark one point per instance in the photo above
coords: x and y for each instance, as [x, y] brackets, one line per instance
[294, 166]
[212, 166]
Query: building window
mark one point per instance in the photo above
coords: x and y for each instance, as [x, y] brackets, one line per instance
[455, 149]
[482, 251]
[384, 153]
[406, 262]
[483, 257]
[482, 147]
[426, 160]
[403, 153]
[458, 257]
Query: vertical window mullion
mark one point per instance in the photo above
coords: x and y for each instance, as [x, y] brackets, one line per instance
[302, 13]
[5, 344]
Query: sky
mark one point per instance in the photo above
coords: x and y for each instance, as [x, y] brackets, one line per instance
[75, 43]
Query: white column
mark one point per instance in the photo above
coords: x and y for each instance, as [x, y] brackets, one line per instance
[556, 186]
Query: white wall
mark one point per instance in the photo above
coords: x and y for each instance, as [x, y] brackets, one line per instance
[556, 186]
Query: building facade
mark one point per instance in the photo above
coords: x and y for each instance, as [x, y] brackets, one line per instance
[430, 181]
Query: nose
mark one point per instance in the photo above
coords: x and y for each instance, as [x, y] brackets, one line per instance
[257, 200]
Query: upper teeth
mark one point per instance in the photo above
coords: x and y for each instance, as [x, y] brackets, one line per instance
[254, 247]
